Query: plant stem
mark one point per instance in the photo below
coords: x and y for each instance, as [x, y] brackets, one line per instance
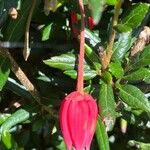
[25, 81]
[80, 82]
[26, 50]
[109, 49]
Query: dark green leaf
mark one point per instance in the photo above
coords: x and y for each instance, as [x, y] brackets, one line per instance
[18, 89]
[93, 57]
[122, 46]
[96, 7]
[7, 139]
[134, 97]
[134, 16]
[46, 32]
[116, 70]
[91, 38]
[107, 104]
[19, 116]
[101, 135]
[140, 74]
[88, 74]
[63, 62]
[4, 71]
[143, 60]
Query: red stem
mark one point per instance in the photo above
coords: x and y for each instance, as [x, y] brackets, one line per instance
[80, 82]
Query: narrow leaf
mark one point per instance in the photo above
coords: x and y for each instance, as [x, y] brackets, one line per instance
[96, 7]
[140, 74]
[134, 97]
[101, 135]
[122, 46]
[116, 69]
[4, 71]
[88, 74]
[19, 116]
[107, 104]
[143, 60]
[134, 16]
[46, 32]
[7, 139]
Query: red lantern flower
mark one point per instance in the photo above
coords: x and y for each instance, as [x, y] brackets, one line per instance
[78, 112]
[78, 115]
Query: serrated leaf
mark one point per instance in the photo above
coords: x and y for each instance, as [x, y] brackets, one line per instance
[143, 60]
[4, 71]
[134, 97]
[134, 16]
[64, 62]
[116, 70]
[107, 104]
[140, 74]
[46, 31]
[19, 116]
[88, 74]
[7, 139]
[121, 47]
[101, 135]
[96, 7]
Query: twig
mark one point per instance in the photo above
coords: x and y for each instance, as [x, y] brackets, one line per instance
[80, 82]
[25, 81]
[26, 50]
[109, 49]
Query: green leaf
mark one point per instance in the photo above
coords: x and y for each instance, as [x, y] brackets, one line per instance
[66, 62]
[141, 145]
[107, 77]
[15, 29]
[3, 118]
[96, 7]
[134, 16]
[147, 79]
[62, 62]
[88, 74]
[101, 135]
[107, 104]
[121, 47]
[91, 38]
[7, 139]
[19, 116]
[116, 70]
[46, 32]
[111, 2]
[134, 97]
[143, 60]
[4, 71]
[93, 57]
[140, 74]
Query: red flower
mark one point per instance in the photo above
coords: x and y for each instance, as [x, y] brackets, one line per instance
[91, 23]
[78, 115]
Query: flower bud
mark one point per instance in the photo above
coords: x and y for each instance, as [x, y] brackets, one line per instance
[78, 116]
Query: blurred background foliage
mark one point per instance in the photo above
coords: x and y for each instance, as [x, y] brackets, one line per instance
[122, 90]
